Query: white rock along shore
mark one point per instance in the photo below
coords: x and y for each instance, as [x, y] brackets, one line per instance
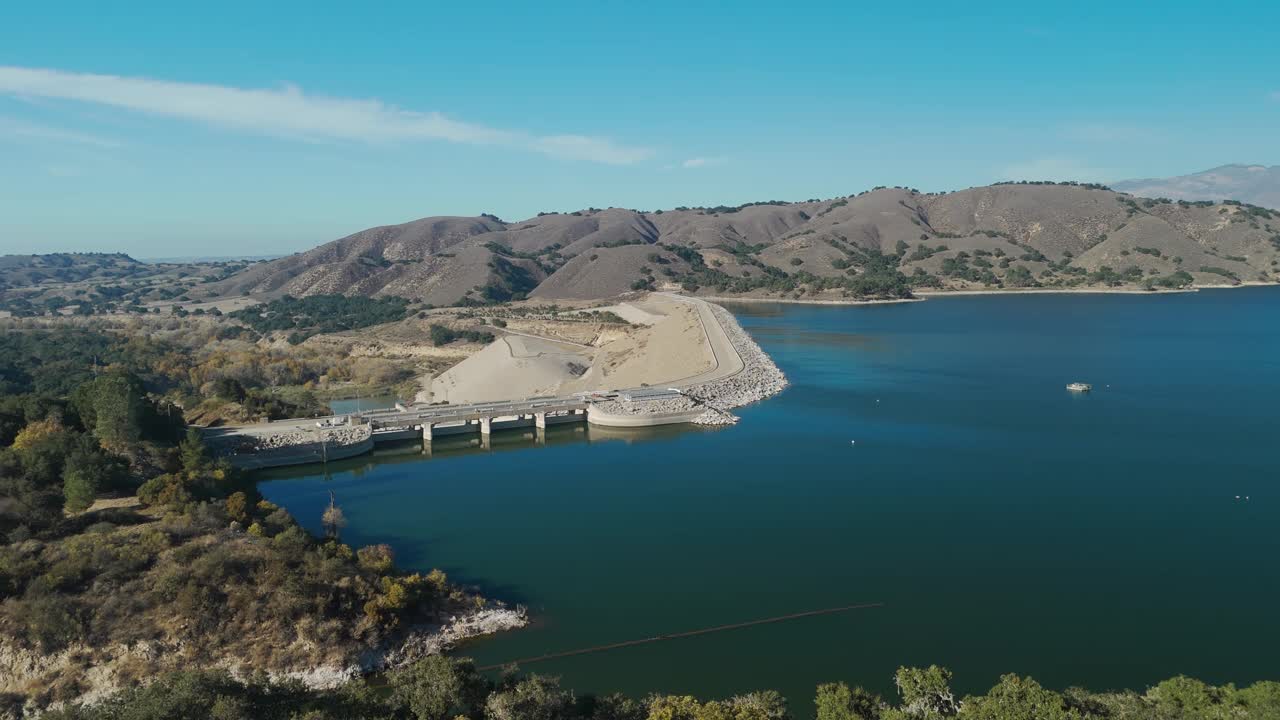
[19, 666]
[758, 379]
[420, 642]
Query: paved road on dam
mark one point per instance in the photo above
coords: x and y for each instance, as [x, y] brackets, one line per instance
[727, 360]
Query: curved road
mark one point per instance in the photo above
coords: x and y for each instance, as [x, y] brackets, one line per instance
[727, 360]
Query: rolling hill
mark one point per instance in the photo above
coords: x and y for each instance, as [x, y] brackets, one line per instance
[879, 243]
[30, 270]
[98, 282]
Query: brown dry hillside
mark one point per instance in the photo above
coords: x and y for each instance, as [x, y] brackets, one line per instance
[877, 243]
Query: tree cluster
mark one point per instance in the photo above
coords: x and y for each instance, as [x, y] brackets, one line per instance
[318, 314]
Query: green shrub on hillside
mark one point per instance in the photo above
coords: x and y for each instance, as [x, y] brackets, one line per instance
[442, 335]
[318, 314]
[1219, 271]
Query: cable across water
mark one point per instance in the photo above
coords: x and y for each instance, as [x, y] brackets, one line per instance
[685, 634]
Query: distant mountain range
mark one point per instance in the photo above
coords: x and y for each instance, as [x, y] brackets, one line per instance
[189, 259]
[1255, 184]
[1006, 235]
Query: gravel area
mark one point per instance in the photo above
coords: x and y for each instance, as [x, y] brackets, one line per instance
[647, 407]
[291, 439]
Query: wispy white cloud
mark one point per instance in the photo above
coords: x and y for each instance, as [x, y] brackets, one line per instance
[289, 112]
[1055, 167]
[699, 162]
[19, 129]
[580, 147]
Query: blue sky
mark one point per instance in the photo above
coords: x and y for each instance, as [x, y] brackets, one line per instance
[261, 128]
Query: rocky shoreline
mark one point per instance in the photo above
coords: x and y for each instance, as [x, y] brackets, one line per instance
[420, 642]
[21, 666]
[758, 379]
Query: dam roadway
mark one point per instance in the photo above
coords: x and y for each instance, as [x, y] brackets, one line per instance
[486, 417]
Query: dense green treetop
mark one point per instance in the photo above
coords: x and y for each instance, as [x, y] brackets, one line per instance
[317, 314]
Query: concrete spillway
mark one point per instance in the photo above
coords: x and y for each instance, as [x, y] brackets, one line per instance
[299, 442]
[486, 424]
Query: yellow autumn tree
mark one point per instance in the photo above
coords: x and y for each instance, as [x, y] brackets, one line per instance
[35, 432]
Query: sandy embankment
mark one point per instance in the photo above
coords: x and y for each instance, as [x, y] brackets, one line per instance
[664, 344]
[742, 374]
[673, 341]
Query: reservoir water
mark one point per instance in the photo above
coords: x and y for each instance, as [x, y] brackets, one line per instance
[926, 456]
[357, 404]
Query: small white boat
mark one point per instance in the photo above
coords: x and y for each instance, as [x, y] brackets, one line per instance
[1079, 387]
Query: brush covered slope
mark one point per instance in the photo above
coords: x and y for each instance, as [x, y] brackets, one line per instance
[878, 244]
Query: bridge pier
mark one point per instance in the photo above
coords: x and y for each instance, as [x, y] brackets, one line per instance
[482, 419]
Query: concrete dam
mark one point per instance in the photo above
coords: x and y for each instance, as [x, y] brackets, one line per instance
[304, 441]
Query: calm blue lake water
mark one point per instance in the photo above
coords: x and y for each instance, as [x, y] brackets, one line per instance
[1007, 524]
[352, 405]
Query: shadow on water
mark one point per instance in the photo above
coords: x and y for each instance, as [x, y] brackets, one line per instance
[356, 477]
[450, 446]
[416, 552]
